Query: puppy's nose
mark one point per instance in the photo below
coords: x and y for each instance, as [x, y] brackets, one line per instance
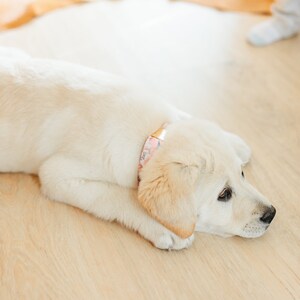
[269, 215]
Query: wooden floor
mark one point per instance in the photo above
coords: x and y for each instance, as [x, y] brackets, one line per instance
[199, 60]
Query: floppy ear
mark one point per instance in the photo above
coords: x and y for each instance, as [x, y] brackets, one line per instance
[166, 192]
[242, 150]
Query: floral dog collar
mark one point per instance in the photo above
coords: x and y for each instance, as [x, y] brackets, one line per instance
[152, 143]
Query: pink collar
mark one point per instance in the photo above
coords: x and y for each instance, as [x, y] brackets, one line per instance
[152, 143]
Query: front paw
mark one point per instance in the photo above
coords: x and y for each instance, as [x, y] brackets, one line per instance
[170, 241]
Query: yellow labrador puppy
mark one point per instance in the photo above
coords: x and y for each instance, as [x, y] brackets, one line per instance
[101, 145]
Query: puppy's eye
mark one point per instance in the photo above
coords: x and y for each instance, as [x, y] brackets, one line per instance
[243, 174]
[225, 195]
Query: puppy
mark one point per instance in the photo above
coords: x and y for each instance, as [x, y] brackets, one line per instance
[83, 131]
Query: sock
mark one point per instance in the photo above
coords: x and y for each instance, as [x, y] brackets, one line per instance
[273, 30]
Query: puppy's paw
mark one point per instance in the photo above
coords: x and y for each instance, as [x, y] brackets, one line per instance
[170, 241]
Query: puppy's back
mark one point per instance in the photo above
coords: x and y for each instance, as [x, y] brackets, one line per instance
[43, 103]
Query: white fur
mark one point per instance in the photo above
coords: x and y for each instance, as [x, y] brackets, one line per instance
[82, 132]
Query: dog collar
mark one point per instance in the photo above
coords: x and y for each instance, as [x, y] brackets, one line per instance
[152, 143]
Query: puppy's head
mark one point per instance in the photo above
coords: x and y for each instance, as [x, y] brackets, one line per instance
[195, 182]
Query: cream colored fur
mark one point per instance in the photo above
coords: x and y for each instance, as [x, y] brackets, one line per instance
[82, 132]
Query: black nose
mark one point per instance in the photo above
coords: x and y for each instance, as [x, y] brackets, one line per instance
[269, 215]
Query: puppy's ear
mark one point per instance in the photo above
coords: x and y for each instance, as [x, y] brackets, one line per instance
[241, 149]
[166, 192]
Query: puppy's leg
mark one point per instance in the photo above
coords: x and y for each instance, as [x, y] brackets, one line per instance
[73, 182]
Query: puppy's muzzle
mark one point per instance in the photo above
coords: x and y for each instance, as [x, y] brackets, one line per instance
[268, 215]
